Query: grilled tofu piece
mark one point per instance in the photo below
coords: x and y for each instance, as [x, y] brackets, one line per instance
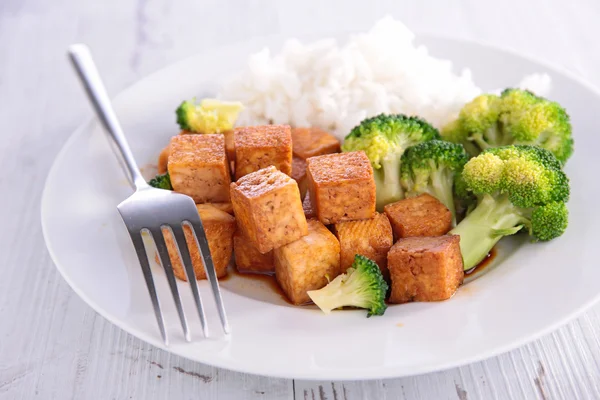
[423, 215]
[371, 238]
[268, 208]
[425, 268]
[198, 167]
[229, 145]
[219, 228]
[311, 142]
[299, 174]
[163, 160]
[306, 264]
[248, 258]
[230, 149]
[227, 207]
[341, 187]
[257, 147]
[309, 210]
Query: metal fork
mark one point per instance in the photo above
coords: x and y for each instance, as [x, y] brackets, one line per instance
[151, 210]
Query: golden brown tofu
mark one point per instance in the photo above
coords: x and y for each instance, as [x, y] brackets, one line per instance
[311, 142]
[257, 147]
[198, 167]
[309, 211]
[248, 258]
[229, 145]
[299, 174]
[305, 264]
[163, 159]
[425, 268]
[341, 187]
[227, 207]
[371, 238]
[268, 208]
[219, 228]
[423, 215]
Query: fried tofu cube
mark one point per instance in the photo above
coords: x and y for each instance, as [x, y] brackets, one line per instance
[299, 174]
[248, 258]
[229, 145]
[198, 167]
[371, 238]
[268, 208]
[257, 147]
[227, 207]
[341, 187]
[305, 264]
[309, 210]
[219, 228]
[311, 142]
[163, 160]
[425, 268]
[423, 215]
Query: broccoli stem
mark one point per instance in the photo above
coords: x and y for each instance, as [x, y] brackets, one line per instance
[347, 289]
[492, 219]
[442, 182]
[388, 187]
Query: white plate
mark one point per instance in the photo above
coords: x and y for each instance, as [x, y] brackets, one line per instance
[531, 292]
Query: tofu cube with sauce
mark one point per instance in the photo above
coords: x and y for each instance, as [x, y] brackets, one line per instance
[299, 174]
[371, 238]
[248, 258]
[268, 208]
[198, 167]
[309, 210]
[341, 187]
[229, 145]
[311, 142]
[227, 207]
[257, 147]
[306, 263]
[219, 227]
[425, 268]
[423, 215]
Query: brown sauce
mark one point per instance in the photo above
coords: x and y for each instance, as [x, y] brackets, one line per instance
[267, 279]
[484, 263]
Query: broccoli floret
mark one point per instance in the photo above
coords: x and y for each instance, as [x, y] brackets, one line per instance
[517, 187]
[210, 116]
[515, 117]
[161, 182]
[361, 286]
[431, 167]
[384, 139]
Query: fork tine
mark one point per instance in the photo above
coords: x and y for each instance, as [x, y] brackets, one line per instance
[184, 255]
[165, 260]
[140, 249]
[209, 267]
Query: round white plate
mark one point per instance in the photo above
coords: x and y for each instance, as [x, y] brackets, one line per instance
[528, 293]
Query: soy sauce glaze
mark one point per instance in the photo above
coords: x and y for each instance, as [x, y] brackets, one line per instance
[484, 263]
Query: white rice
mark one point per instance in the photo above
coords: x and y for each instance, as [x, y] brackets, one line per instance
[335, 87]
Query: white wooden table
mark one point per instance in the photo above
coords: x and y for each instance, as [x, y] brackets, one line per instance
[53, 346]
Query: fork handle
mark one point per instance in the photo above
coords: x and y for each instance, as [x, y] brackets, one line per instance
[81, 58]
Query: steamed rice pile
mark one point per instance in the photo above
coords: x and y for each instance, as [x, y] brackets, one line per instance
[335, 87]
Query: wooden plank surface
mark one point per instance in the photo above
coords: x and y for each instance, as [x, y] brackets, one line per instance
[53, 346]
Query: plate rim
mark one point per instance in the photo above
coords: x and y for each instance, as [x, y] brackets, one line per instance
[339, 375]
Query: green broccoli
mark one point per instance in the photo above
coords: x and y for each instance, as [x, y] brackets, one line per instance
[161, 182]
[361, 286]
[515, 117]
[384, 139]
[517, 186]
[210, 116]
[431, 167]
